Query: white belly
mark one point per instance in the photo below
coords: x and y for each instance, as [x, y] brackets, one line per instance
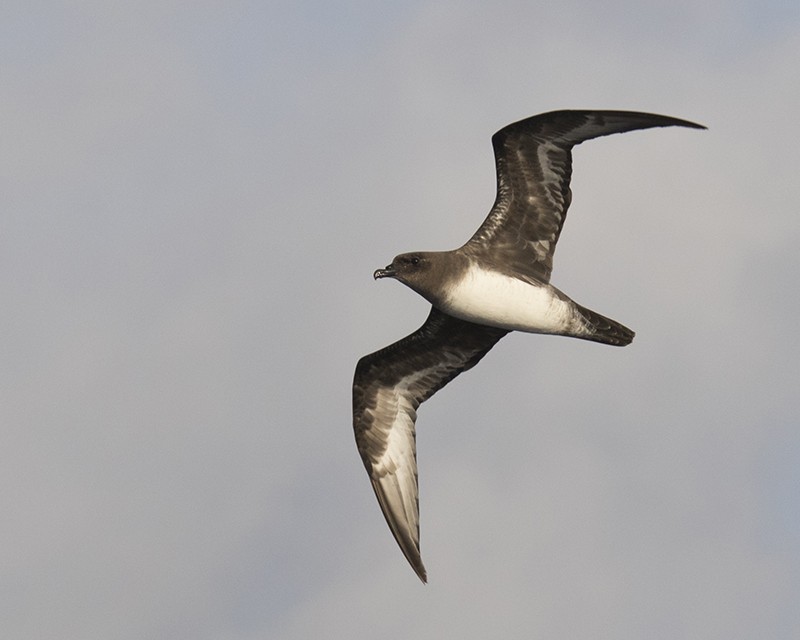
[490, 298]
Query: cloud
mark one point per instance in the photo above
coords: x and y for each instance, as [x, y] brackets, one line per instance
[195, 201]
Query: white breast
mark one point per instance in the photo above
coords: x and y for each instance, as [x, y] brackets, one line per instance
[494, 299]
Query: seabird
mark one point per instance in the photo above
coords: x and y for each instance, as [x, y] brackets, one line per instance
[499, 281]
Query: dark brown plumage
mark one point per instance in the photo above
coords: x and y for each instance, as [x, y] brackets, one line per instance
[508, 258]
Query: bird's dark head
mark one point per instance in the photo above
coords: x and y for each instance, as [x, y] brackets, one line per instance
[405, 267]
[422, 271]
[426, 272]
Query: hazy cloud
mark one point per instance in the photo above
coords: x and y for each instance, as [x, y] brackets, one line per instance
[195, 198]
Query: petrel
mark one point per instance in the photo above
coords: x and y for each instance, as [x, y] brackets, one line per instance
[499, 281]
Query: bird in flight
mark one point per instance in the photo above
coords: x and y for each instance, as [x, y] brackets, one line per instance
[499, 281]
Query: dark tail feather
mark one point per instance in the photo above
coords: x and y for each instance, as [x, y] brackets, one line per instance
[606, 330]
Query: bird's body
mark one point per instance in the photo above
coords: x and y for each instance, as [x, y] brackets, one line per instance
[498, 300]
[499, 281]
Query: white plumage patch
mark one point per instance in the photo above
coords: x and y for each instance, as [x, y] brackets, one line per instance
[494, 299]
[396, 412]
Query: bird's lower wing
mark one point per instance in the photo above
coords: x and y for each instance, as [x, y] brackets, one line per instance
[388, 387]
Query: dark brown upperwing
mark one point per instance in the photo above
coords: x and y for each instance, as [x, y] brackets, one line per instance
[534, 165]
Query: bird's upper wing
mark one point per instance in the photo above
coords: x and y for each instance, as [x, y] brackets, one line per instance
[534, 164]
[388, 387]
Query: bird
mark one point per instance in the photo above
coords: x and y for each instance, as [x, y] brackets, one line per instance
[497, 282]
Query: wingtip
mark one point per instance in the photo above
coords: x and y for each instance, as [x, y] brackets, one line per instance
[419, 569]
[695, 125]
[405, 531]
[666, 121]
[415, 560]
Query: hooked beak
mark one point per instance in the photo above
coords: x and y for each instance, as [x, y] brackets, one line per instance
[387, 272]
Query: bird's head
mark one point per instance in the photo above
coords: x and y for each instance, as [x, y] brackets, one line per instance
[415, 270]
[405, 266]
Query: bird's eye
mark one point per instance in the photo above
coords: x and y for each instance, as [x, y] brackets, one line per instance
[415, 261]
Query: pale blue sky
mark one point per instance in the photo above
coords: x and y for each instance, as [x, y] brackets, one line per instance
[195, 197]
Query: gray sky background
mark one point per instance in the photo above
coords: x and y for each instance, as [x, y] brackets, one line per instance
[195, 196]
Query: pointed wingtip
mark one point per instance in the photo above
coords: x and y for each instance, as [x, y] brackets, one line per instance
[694, 125]
[402, 518]
[419, 569]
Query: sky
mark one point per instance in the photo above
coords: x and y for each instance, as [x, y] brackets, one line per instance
[195, 196]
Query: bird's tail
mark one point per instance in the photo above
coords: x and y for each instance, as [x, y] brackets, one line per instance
[605, 330]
